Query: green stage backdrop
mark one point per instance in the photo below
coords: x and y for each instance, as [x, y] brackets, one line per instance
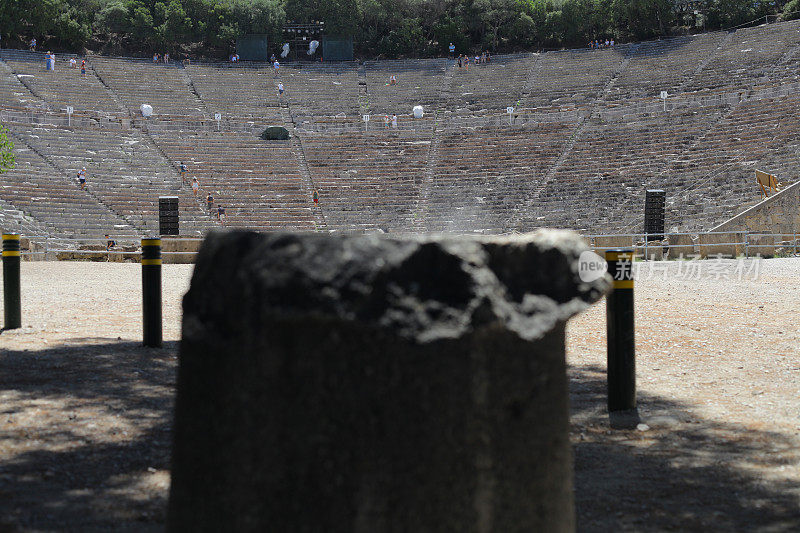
[337, 48]
[252, 47]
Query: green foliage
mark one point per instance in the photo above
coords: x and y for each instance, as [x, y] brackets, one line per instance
[6, 150]
[641, 19]
[792, 10]
[405, 39]
[389, 28]
[113, 18]
[730, 13]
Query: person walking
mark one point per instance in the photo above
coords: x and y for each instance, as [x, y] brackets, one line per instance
[195, 186]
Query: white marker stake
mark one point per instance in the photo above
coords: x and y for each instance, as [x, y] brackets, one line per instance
[69, 115]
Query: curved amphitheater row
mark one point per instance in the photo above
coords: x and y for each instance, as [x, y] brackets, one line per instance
[588, 136]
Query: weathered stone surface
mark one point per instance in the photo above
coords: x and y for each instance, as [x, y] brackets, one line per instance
[342, 383]
[601, 244]
[180, 244]
[720, 244]
[681, 246]
[779, 213]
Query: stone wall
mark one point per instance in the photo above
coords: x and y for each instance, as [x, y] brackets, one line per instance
[780, 213]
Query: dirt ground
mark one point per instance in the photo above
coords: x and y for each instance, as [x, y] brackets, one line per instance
[86, 411]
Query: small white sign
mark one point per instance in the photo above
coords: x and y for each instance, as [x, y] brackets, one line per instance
[591, 266]
[217, 116]
[69, 110]
[366, 118]
[664, 95]
[509, 110]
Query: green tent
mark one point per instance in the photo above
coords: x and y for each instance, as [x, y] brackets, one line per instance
[275, 133]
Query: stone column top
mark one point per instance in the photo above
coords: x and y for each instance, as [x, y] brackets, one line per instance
[423, 287]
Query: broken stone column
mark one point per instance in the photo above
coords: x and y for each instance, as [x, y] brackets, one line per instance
[372, 384]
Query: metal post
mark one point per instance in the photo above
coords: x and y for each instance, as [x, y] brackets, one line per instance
[620, 332]
[12, 302]
[151, 292]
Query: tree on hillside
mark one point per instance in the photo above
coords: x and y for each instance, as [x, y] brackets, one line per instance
[341, 17]
[492, 16]
[641, 19]
[730, 13]
[6, 150]
[792, 10]
[384, 28]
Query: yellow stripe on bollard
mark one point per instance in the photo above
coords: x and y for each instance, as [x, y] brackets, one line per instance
[619, 256]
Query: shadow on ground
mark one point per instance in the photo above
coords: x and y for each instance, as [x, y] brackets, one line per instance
[683, 473]
[85, 443]
[85, 428]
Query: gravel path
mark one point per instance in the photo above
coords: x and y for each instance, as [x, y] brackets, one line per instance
[86, 412]
[718, 376]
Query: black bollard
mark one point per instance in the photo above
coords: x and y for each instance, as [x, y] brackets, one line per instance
[12, 302]
[620, 332]
[151, 292]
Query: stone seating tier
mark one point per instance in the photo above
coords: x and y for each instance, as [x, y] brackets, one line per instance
[600, 139]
